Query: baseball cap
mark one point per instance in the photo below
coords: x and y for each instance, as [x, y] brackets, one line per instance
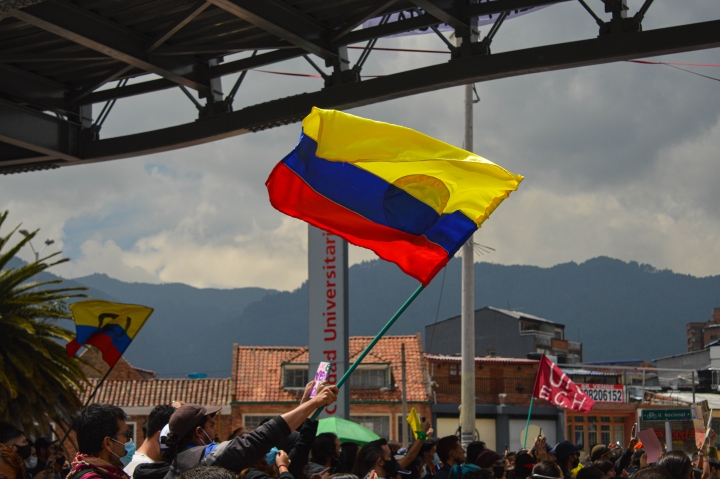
[598, 451]
[524, 463]
[565, 448]
[43, 442]
[187, 416]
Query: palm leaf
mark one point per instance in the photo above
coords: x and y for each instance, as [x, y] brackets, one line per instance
[38, 382]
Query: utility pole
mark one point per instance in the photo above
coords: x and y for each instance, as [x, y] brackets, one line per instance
[467, 367]
[403, 422]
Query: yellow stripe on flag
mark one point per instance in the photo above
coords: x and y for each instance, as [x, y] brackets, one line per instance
[98, 313]
[411, 161]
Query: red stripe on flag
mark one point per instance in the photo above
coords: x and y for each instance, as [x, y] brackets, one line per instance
[415, 255]
[101, 341]
[72, 348]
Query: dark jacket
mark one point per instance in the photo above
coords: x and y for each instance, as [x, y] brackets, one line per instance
[298, 455]
[236, 455]
[258, 474]
[151, 470]
[623, 461]
[443, 472]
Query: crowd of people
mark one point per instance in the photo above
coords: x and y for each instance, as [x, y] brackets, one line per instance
[180, 442]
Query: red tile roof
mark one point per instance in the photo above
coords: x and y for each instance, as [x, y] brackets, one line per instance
[257, 370]
[151, 392]
[480, 359]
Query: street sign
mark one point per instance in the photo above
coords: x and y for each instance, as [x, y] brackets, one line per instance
[666, 415]
[613, 393]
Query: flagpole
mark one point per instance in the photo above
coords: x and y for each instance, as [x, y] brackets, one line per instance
[374, 342]
[527, 425]
[87, 401]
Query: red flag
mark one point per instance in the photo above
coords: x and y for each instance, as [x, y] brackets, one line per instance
[553, 385]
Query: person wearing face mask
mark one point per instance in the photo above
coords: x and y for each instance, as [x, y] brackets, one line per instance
[149, 451]
[431, 460]
[491, 460]
[105, 443]
[190, 442]
[567, 456]
[451, 454]
[375, 457]
[15, 438]
[31, 462]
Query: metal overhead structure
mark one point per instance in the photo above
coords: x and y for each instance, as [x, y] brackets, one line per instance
[64, 63]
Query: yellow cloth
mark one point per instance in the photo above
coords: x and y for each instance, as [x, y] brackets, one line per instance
[416, 425]
[414, 162]
[98, 313]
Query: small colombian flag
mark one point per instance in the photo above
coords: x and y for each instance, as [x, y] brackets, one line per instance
[110, 327]
[410, 198]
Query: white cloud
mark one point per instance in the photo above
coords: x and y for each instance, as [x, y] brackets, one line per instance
[620, 160]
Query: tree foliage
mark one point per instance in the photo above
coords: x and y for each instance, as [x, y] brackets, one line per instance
[38, 382]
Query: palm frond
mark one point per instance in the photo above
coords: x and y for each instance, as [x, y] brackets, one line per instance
[38, 382]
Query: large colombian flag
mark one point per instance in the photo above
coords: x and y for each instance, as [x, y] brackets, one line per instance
[110, 327]
[410, 198]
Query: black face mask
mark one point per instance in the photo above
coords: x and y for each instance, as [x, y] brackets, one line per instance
[24, 451]
[575, 462]
[498, 471]
[391, 467]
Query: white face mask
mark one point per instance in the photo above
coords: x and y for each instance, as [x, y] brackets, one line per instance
[206, 435]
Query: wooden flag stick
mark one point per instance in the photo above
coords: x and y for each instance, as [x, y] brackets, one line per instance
[374, 342]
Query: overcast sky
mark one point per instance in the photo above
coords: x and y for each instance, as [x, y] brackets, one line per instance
[620, 160]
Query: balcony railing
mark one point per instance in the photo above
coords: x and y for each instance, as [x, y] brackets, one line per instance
[451, 385]
[574, 346]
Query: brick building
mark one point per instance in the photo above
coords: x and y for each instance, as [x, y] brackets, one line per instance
[699, 335]
[269, 380]
[503, 387]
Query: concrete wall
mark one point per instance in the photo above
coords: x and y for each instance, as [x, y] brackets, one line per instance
[493, 330]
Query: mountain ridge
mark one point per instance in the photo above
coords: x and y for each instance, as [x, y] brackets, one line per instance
[617, 309]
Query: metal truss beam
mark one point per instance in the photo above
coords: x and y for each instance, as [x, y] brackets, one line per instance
[109, 38]
[449, 18]
[283, 21]
[427, 20]
[37, 132]
[472, 69]
[211, 72]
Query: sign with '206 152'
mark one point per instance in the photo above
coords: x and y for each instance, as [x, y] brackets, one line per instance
[614, 393]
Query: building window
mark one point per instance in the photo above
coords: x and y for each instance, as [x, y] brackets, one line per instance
[528, 327]
[132, 426]
[251, 422]
[592, 435]
[559, 333]
[370, 377]
[380, 425]
[295, 376]
[402, 428]
[620, 435]
[605, 434]
[713, 336]
[491, 353]
[579, 434]
[454, 370]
